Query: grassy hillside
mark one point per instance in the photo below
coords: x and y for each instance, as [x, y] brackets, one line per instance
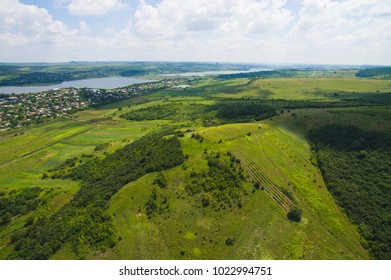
[259, 227]
[242, 173]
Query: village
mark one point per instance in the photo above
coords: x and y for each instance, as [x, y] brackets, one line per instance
[19, 110]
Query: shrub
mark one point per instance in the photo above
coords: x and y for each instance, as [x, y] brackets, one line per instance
[229, 241]
[5, 218]
[294, 214]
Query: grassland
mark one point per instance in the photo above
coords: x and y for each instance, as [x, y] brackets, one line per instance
[289, 88]
[258, 228]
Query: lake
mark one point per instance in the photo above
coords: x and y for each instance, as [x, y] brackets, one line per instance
[222, 72]
[106, 83]
[113, 82]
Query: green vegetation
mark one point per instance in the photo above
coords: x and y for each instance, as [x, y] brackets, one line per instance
[177, 111]
[295, 214]
[382, 72]
[220, 187]
[241, 168]
[244, 110]
[151, 113]
[357, 170]
[19, 203]
[262, 74]
[223, 111]
[83, 222]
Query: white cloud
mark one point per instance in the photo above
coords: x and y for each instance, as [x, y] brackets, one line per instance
[94, 7]
[14, 40]
[23, 24]
[331, 22]
[178, 18]
[319, 31]
[315, 31]
[29, 33]
[84, 27]
[345, 31]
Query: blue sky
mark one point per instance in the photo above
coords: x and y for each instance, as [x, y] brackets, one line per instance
[258, 31]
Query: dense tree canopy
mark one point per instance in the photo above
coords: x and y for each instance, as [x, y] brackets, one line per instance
[384, 72]
[356, 166]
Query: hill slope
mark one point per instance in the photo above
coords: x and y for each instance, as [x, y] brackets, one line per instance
[228, 197]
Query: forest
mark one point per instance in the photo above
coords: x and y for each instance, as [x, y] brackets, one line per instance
[356, 166]
[261, 74]
[381, 72]
[173, 111]
[226, 111]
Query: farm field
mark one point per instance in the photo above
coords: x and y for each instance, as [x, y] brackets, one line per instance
[230, 197]
[291, 88]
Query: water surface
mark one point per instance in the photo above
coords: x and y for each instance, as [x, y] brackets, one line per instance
[105, 83]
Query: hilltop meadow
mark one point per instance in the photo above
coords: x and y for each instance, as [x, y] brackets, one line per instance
[231, 167]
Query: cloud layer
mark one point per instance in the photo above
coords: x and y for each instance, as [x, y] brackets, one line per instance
[94, 7]
[22, 24]
[181, 18]
[309, 31]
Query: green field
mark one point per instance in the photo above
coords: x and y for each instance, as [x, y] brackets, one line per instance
[249, 224]
[290, 88]
[260, 227]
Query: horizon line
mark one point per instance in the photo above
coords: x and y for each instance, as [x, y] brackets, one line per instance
[199, 62]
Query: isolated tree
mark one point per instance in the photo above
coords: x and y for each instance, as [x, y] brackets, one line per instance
[230, 241]
[294, 214]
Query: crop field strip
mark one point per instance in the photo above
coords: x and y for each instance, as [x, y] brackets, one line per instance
[44, 147]
[273, 190]
[281, 199]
